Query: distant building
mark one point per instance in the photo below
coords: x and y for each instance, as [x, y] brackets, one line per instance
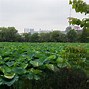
[68, 29]
[43, 31]
[26, 30]
[32, 31]
[76, 27]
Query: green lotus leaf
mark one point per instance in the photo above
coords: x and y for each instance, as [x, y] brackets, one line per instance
[19, 70]
[36, 77]
[52, 57]
[10, 63]
[30, 75]
[33, 75]
[36, 63]
[64, 64]
[6, 58]
[1, 62]
[60, 65]
[9, 82]
[50, 66]
[6, 69]
[35, 71]
[9, 76]
[59, 60]
[23, 65]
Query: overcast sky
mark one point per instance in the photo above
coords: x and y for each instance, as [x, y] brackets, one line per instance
[37, 14]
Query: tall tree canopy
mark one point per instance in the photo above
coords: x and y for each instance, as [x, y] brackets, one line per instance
[8, 34]
[82, 7]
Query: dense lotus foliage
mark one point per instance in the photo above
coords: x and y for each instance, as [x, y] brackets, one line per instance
[32, 60]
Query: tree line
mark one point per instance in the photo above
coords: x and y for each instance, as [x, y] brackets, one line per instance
[10, 34]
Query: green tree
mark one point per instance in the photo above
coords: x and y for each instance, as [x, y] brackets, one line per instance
[19, 38]
[35, 37]
[57, 36]
[26, 37]
[44, 37]
[85, 35]
[82, 7]
[2, 33]
[72, 36]
[8, 34]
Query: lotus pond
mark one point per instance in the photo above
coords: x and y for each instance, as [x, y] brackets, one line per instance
[42, 63]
